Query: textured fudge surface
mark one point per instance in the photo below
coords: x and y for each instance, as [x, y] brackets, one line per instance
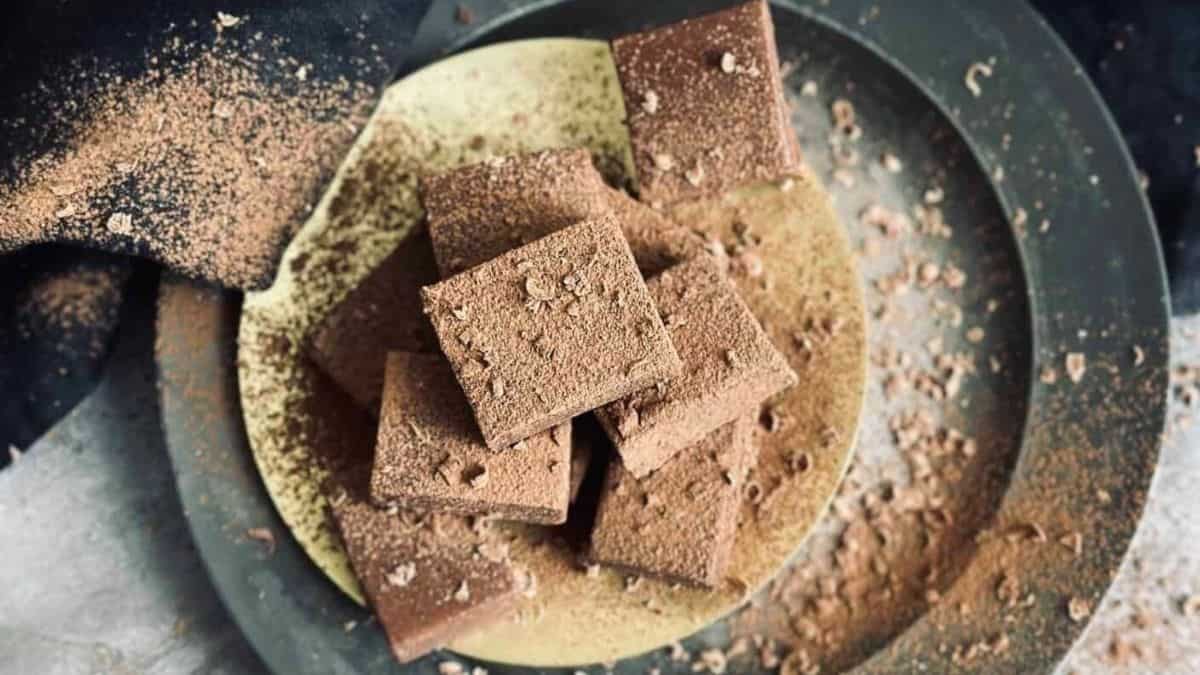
[383, 313]
[430, 456]
[656, 241]
[417, 608]
[477, 212]
[705, 104]
[730, 367]
[425, 576]
[680, 522]
[550, 330]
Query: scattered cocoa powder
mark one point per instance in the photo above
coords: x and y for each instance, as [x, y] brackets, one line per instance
[900, 533]
[895, 553]
[73, 300]
[263, 535]
[208, 162]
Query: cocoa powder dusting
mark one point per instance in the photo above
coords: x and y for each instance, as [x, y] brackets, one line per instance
[1149, 620]
[207, 162]
[70, 301]
[912, 514]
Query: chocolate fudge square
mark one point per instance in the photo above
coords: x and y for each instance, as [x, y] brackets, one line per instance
[411, 566]
[730, 367]
[704, 104]
[479, 211]
[656, 241]
[426, 581]
[382, 314]
[550, 330]
[679, 523]
[430, 456]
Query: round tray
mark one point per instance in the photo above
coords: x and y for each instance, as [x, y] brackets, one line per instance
[1093, 284]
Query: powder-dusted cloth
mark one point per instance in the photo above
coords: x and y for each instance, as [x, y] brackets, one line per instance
[167, 130]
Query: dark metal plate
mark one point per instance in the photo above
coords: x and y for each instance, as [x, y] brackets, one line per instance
[1093, 284]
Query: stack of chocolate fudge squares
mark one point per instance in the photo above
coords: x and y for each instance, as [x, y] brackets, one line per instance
[559, 296]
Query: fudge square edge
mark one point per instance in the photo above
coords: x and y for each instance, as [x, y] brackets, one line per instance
[730, 368]
[414, 577]
[429, 455]
[381, 314]
[679, 523]
[550, 330]
[478, 211]
[704, 104]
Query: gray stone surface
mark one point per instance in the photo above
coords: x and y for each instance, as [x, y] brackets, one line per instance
[97, 569]
[98, 573]
[1163, 565]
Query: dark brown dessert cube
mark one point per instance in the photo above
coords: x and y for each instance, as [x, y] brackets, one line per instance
[729, 368]
[427, 583]
[550, 330]
[679, 523]
[430, 456]
[705, 104]
[382, 314]
[477, 212]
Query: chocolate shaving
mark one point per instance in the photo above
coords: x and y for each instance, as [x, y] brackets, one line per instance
[1079, 609]
[264, 535]
[1076, 365]
[974, 71]
[728, 62]
[402, 575]
[650, 102]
